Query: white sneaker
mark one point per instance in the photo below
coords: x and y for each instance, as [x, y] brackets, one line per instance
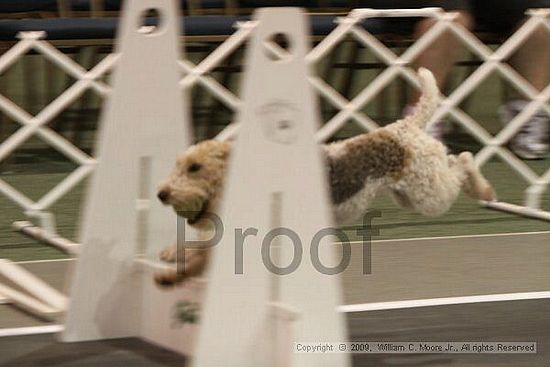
[435, 130]
[529, 142]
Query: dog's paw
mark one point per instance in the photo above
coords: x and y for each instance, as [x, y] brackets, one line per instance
[476, 186]
[169, 254]
[488, 193]
[167, 278]
[194, 263]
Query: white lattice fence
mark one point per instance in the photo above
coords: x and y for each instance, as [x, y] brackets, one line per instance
[348, 110]
[399, 66]
[37, 125]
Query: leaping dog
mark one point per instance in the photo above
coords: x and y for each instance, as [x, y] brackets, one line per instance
[399, 158]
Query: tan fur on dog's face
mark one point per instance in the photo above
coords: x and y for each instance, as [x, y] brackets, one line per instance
[194, 186]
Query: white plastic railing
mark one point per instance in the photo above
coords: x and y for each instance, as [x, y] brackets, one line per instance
[397, 66]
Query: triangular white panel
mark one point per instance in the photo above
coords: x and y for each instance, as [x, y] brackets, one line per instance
[143, 128]
[276, 180]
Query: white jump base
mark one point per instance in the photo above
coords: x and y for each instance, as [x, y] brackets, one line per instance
[39, 234]
[523, 211]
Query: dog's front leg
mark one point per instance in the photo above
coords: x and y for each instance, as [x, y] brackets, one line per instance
[401, 199]
[193, 263]
[169, 253]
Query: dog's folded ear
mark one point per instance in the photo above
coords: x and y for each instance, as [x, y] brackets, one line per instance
[224, 151]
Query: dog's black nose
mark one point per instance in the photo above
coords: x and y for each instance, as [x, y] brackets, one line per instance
[163, 195]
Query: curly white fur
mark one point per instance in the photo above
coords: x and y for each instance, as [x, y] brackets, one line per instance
[430, 180]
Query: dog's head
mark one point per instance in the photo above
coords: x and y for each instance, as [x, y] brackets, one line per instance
[194, 187]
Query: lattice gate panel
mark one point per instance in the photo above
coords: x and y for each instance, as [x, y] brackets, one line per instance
[348, 110]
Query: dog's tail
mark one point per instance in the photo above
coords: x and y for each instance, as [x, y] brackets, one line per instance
[429, 101]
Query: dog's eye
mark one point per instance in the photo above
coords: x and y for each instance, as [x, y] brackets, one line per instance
[194, 167]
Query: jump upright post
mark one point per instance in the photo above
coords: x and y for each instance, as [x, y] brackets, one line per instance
[143, 128]
[276, 197]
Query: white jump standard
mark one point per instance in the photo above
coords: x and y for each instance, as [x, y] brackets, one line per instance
[143, 127]
[275, 157]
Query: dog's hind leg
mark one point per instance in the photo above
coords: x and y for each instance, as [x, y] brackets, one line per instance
[432, 189]
[475, 184]
[400, 197]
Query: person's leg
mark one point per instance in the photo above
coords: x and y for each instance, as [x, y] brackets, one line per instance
[439, 58]
[532, 61]
[443, 53]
